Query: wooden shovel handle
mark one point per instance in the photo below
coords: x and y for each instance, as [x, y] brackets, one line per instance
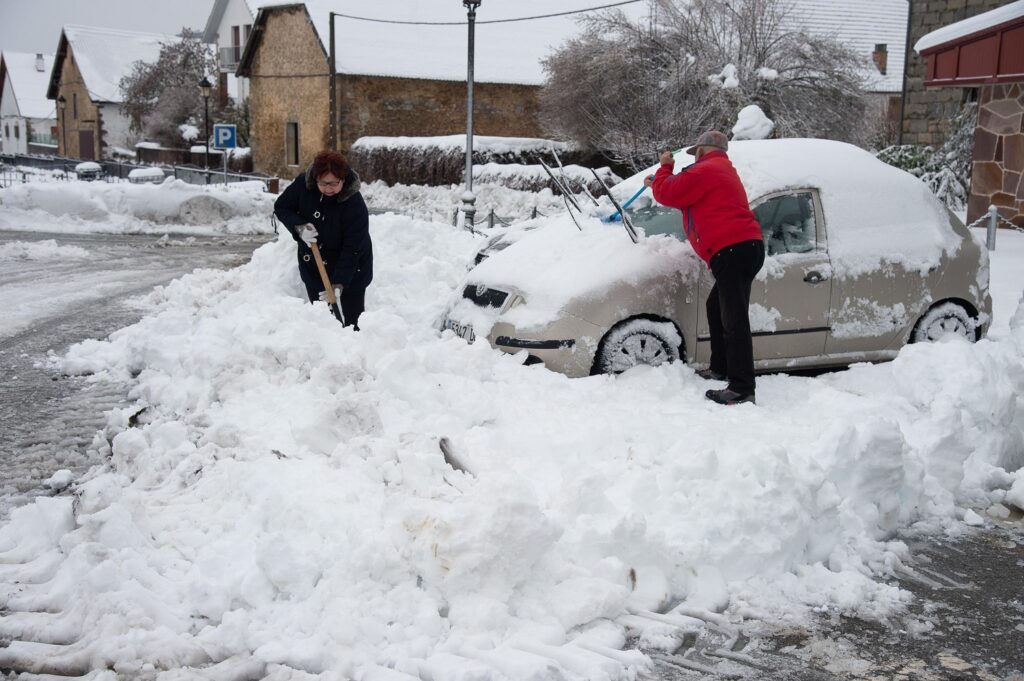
[331, 300]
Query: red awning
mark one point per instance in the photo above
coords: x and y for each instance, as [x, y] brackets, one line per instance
[992, 55]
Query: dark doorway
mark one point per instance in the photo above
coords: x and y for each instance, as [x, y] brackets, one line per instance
[86, 145]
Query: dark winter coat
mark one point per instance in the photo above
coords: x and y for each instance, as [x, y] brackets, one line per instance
[344, 226]
[716, 212]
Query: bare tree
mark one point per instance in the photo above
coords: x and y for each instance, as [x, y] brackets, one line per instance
[162, 95]
[630, 88]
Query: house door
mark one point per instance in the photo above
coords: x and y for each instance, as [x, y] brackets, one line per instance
[86, 145]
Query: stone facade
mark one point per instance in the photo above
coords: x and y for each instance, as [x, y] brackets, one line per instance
[289, 84]
[997, 177]
[80, 120]
[927, 112]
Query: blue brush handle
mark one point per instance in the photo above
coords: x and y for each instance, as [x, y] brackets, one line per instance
[615, 217]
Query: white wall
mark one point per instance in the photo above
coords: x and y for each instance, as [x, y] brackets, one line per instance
[235, 14]
[116, 126]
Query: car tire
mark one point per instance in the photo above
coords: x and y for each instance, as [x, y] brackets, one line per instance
[635, 342]
[945, 320]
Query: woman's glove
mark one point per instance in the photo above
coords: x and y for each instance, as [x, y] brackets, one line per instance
[307, 233]
[338, 288]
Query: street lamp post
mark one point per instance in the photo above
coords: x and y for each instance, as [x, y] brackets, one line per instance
[62, 102]
[205, 86]
[468, 199]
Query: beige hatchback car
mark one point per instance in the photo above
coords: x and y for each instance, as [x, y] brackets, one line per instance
[861, 260]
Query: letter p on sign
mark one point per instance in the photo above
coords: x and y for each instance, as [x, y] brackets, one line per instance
[224, 136]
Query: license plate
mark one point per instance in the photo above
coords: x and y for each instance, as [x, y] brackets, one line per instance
[461, 330]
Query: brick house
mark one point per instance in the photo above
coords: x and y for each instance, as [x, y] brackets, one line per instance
[393, 79]
[984, 54]
[84, 83]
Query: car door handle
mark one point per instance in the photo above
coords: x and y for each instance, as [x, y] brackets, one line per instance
[814, 277]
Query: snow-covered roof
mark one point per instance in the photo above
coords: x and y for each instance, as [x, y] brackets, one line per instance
[860, 26]
[29, 83]
[505, 52]
[106, 55]
[974, 24]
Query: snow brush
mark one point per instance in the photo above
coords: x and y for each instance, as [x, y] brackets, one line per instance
[332, 300]
[617, 215]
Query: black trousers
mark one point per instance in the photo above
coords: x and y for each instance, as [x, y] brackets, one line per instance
[732, 347]
[353, 301]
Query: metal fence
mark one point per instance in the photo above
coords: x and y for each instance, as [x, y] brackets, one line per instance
[114, 171]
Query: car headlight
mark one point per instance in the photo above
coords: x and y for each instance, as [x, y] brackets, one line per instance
[513, 300]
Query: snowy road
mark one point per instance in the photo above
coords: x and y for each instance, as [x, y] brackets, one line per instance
[59, 289]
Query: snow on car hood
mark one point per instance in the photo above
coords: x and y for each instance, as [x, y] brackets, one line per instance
[558, 263]
[875, 213]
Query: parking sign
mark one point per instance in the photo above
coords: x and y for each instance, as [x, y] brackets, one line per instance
[224, 136]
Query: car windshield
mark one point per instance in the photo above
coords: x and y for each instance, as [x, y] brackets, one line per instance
[658, 220]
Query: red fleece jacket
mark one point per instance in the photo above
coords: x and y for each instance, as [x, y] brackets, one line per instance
[716, 213]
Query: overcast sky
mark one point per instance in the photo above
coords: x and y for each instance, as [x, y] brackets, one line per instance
[34, 25]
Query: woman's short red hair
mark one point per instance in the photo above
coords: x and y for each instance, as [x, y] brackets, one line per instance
[328, 161]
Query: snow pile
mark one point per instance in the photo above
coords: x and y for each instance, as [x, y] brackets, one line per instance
[439, 203]
[40, 250]
[752, 124]
[277, 500]
[238, 208]
[485, 144]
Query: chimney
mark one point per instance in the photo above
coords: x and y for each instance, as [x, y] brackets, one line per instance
[40, 64]
[881, 57]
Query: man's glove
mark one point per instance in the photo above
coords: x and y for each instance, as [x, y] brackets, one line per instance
[307, 233]
[338, 288]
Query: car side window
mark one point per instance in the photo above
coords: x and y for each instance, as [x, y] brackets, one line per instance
[788, 223]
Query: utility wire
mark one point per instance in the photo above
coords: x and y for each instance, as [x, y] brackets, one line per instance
[491, 21]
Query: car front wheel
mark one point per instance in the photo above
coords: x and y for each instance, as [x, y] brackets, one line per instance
[945, 320]
[635, 342]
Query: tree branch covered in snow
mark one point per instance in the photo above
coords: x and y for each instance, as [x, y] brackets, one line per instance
[632, 88]
[163, 95]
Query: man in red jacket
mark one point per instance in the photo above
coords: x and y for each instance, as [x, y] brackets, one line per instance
[724, 232]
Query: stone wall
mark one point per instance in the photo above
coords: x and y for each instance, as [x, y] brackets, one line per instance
[997, 177]
[390, 107]
[80, 114]
[289, 83]
[927, 112]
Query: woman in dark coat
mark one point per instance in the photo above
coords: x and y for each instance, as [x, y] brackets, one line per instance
[324, 206]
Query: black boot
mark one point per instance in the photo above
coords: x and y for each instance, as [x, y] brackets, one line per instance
[711, 375]
[729, 397]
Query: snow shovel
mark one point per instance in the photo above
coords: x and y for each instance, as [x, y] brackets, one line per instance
[332, 300]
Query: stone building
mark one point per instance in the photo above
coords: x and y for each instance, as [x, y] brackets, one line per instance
[405, 78]
[84, 83]
[928, 112]
[985, 55]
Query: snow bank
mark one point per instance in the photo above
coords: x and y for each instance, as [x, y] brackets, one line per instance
[276, 496]
[40, 250]
[488, 144]
[439, 203]
[173, 206]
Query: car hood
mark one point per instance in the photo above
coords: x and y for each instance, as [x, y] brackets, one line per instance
[552, 266]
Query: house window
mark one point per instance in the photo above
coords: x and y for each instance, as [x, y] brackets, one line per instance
[74, 105]
[17, 131]
[247, 30]
[7, 130]
[236, 44]
[291, 144]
